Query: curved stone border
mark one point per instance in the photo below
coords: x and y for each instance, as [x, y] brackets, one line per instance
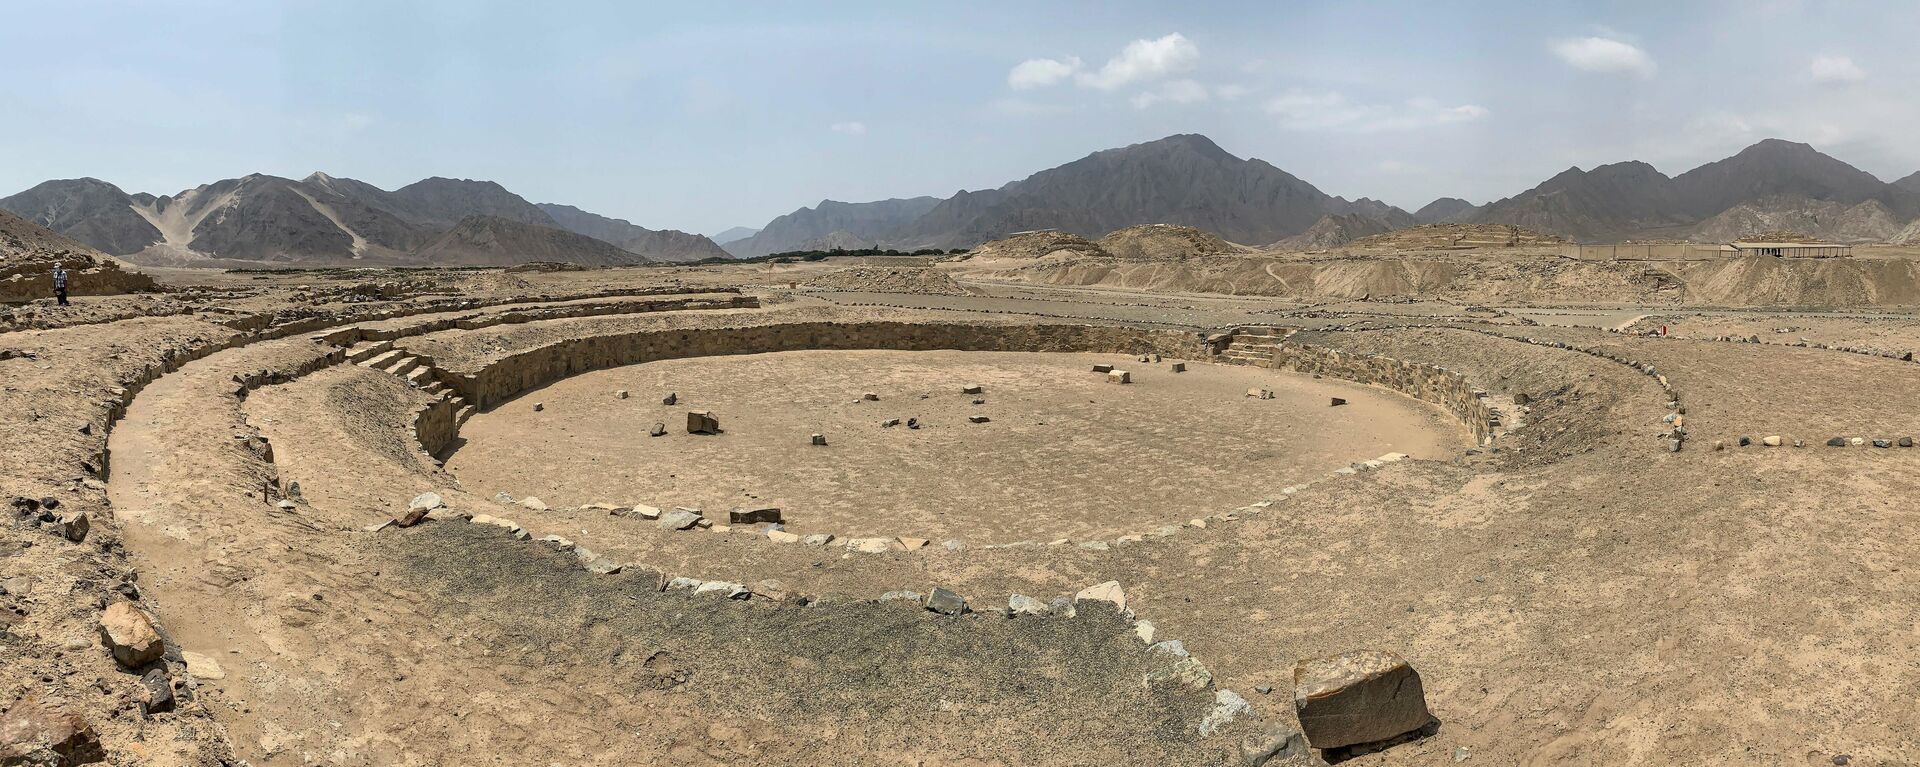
[1181, 667]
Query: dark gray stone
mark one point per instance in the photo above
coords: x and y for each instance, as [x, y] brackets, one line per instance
[754, 516]
[1278, 743]
[159, 691]
[1837, 442]
[1358, 697]
[946, 602]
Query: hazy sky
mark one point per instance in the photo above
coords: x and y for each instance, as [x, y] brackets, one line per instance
[704, 115]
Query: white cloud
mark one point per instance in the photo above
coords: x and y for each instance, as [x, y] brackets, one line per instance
[1172, 92]
[1144, 60]
[850, 128]
[1308, 111]
[1230, 91]
[1603, 54]
[1039, 73]
[1836, 69]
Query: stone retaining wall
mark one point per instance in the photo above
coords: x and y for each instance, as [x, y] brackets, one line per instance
[510, 376]
[1428, 383]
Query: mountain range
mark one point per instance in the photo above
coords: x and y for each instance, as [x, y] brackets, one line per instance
[1183, 180]
[323, 220]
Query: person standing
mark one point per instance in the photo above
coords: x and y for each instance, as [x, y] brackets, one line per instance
[60, 283]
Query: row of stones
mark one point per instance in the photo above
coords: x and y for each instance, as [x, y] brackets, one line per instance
[1340, 701]
[1675, 435]
[687, 519]
[1430, 383]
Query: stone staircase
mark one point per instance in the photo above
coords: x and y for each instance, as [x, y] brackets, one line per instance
[416, 369]
[1252, 346]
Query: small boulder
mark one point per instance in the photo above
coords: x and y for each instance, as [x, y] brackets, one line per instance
[1358, 697]
[1109, 592]
[1336, 402]
[1179, 367]
[539, 406]
[1837, 442]
[1904, 442]
[679, 519]
[1883, 443]
[818, 539]
[1119, 377]
[1259, 393]
[33, 732]
[621, 394]
[889, 423]
[533, 503]
[754, 516]
[872, 545]
[1278, 743]
[159, 691]
[870, 397]
[702, 422]
[978, 419]
[1021, 604]
[426, 502]
[1771, 440]
[658, 430]
[973, 389]
[1102, 368]
[820, 440]
[128, 631]
[672, 398]
[946, 602]
[73, 527]
[782, 536]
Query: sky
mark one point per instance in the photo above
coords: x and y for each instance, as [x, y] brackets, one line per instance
[701, 116]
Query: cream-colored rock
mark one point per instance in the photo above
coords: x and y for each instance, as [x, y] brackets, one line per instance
[1104, 592]
[129, 633]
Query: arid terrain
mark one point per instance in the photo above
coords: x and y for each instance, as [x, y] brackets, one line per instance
[420, 517]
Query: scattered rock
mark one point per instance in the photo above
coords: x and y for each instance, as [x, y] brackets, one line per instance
[1883, 443]
[1102, 368]
[820, 440]
[978, 419]
[672, 398]
[1179, 367]
[1259, 393]
[954, 545]
[539, 406]
[1227, 706]
[1336, 402]
[1837, 442]
[1020, 604]
[870, 397]
[679, 519]
[1857, 441]
[1119, 377]
[33, 732]
[644, 511]
[159, 691]
[73, 527]
[128, 631]
[973, 389]
[818, 539]
[1105, 592]
[1280, 742]
[1771, 440]
[426, 502]
[602, 566]
[702, 422]
[754, 516]
[872, 545]
[1904, 442]
[913, 423]
[533, 503]
[203, 667]
[1358, 697]
[913, 544]
[946, 602]
[658, 430]
[782, 536]
[621, 394]
[889, 423]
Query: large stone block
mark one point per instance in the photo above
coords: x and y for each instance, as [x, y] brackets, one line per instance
[702, 422]
[1358, 697]
[129, 633]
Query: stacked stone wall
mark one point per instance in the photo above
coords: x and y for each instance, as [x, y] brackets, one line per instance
[513, 375]
[1428, 383]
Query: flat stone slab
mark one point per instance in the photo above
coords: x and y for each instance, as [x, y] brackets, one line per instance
[1358, 697]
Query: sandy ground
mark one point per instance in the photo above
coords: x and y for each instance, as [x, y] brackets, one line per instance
[1064, 455]
[1580, 596]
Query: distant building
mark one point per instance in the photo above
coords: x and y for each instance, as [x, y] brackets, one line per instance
[1789, 249]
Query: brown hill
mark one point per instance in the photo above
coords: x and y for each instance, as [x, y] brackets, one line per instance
[654, 244]
[1813, 220]
[1333, 231]
[1455, 237]
[866, 221]
[28, 253]
[1159, 242]
[1041, 244]
[877, 279]
[490, 241]
[1185, 179]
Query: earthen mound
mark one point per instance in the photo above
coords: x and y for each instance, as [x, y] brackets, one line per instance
[1456, 237]
[1039, 244]
[1334, 230]
[28, 253]
[869, 279]
[1163, 242]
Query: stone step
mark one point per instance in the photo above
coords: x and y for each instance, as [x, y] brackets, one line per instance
[367, 350]
[418, 376]
[404, 366]
[465, 412]
[381, 360]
